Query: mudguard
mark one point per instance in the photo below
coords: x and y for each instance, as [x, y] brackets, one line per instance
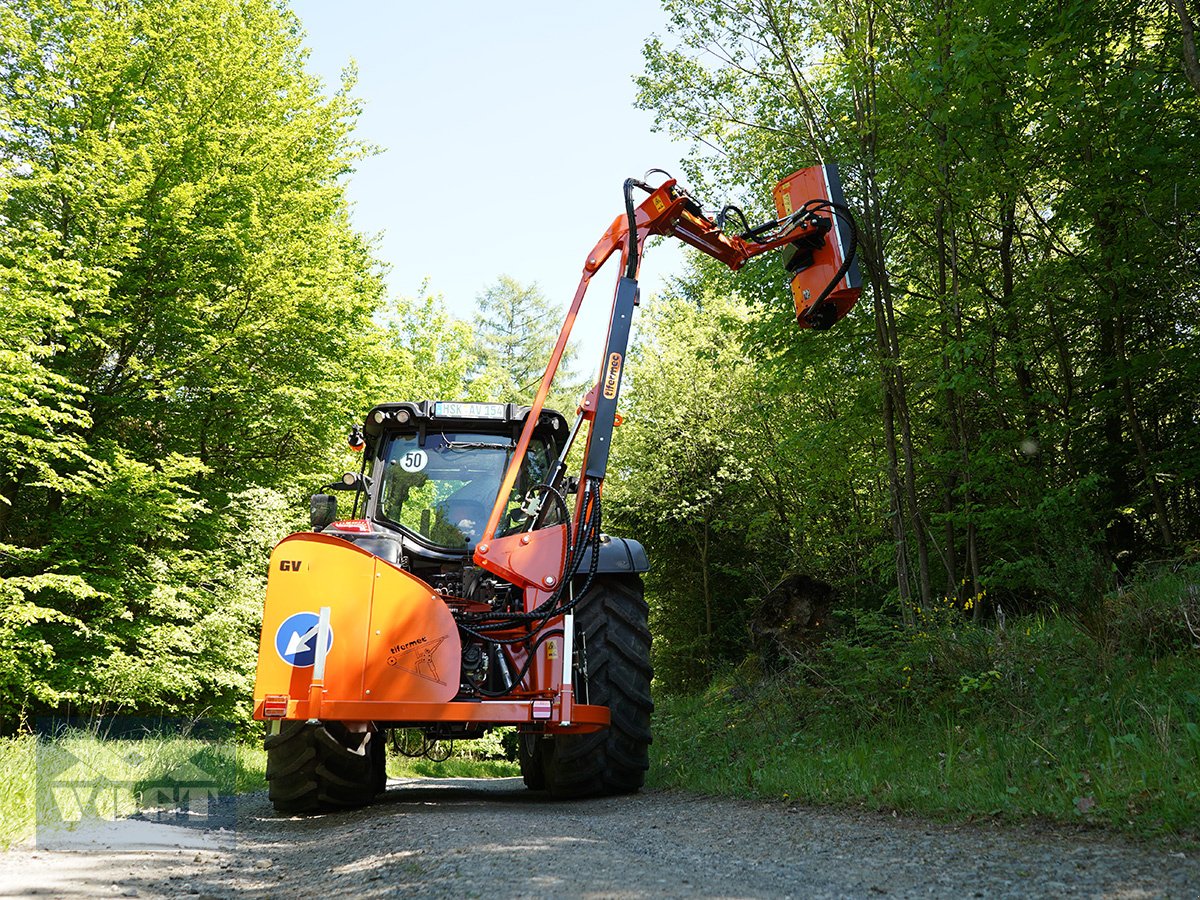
[617, 556]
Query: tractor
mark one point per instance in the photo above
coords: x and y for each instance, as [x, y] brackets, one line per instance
[470, 587]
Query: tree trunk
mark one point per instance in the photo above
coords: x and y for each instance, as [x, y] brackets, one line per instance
[950, 480]
[1119, 491]
[1012, 316]
[1139, 438]
[1191, 64]
[871, 245]
[899, 531]
[705, 589]
[10, 488]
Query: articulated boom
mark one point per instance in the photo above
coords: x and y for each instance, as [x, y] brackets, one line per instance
[422, 616]
[813, 224]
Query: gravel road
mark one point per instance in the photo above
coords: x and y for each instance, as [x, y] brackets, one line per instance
[491, 838]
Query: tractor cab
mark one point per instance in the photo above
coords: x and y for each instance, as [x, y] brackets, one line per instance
[431, 473]
[439, 487]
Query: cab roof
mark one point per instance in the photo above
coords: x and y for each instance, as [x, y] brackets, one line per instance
[500, 418]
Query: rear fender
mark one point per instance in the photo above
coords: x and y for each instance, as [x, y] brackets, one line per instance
[618, 556]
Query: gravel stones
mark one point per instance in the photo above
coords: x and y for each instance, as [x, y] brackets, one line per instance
[479, 837]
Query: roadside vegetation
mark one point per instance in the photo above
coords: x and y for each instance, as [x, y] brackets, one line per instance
[1091, 721]
[78, 772]
[976, 474]
[189, 328]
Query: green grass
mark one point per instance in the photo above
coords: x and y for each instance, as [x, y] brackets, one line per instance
[484, 757]
[455, 767]
[1054, 719]
[17, 800]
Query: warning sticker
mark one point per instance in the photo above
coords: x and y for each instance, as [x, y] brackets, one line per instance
[414, 461]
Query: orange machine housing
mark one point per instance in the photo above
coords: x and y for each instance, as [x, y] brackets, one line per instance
[794, 193]
[395, 651]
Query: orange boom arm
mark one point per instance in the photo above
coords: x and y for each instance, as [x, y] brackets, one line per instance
[818, 234]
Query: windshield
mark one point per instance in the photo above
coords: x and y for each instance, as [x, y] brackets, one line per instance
[444, 489]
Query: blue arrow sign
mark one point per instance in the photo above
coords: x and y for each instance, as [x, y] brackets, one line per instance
[296, 639]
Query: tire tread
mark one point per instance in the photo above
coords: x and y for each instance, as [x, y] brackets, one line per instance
[614, 618]
[318, 767]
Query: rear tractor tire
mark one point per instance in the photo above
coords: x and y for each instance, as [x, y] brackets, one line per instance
[324, 767]
[614, 620]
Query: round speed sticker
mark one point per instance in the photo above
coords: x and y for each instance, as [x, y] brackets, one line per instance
[414, 460]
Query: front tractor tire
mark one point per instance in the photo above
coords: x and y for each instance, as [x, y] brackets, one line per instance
[614, 620]
[323, 767]
[531, 761]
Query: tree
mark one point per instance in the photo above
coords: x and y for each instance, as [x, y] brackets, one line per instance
[425, 353]
[737, 81]
[1187, 25]
[680, 462]
[188, 303]
[516, 327]
[733, 473]
[1020, 175]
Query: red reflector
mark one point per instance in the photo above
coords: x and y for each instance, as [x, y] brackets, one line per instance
[359, 526]
[275, 706]
[541, 709]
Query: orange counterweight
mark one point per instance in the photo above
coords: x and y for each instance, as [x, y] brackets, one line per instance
[392, 649]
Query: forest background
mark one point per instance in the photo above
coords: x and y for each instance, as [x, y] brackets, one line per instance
[1004, 430]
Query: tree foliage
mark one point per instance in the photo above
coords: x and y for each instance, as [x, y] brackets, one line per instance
[516, 328]
[183, 297]
[1022, 369]
[189, 326]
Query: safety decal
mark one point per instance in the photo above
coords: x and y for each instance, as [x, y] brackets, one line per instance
[552, 649]
[612, 375]
[785, 190]
[296, 639]
[417, 656]
[414, 461]
[658, 204]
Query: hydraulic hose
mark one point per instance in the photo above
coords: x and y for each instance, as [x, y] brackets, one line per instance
[556, 632]
[478, 625]
[632, 246]
[845, 215]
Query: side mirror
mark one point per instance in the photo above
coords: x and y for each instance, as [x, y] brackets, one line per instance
[322, 511]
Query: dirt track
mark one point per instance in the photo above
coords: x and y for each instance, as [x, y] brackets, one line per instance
[478, 838]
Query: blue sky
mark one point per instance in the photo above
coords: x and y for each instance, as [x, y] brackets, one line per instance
[507, 130]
